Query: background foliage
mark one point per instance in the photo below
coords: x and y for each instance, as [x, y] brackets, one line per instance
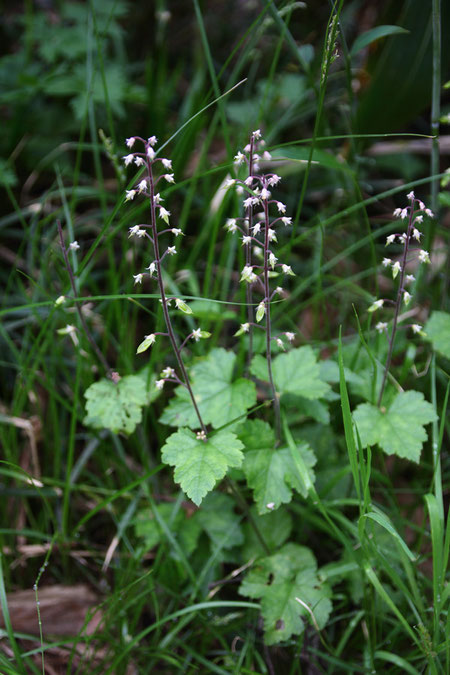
[88, 501]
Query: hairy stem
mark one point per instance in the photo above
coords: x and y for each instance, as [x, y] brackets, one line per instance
[276, 400]
[162, 292]
[248, 261]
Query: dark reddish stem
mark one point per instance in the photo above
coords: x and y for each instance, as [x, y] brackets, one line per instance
[162, 292]
[398, 303]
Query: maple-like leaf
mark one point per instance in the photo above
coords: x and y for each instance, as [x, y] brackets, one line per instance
[116, 406]
[398, 430]
[199, 464]
[272, 473]
[296, 372]
[220, 400]
[278, 580]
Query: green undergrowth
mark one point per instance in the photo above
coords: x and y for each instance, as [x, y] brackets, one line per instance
[296, 522]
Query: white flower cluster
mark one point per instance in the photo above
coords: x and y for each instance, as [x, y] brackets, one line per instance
[147, 187]
[256, 227]
[414, 215]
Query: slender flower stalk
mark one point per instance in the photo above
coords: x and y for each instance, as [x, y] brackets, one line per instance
[399, 269]
[257, 186]
[148, 188]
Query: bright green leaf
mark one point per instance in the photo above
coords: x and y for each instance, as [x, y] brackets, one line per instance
[398, 430]
[271, 473]
[117, 407]
[200, 464]
[219, 399]
[296, 372]
[438, 331]
[278, 580]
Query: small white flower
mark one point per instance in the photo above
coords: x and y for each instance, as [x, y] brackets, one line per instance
[421, 206]
[176, 231]
[249, 181]
[376, 305]
[142, 186]
[164, 214]
[245, 327]
[141, 233]
[231, 225]
[260, 311]
[138, 278]
[139, 161]
[201, 435]
[67, 330]
[396, 267]
[290, 336]
[167, 164]
[133, 230]
[403, 238]
[419, 219]
[248, 202]
[256, 134]
[60, 300]
[424, 257]
[416, 328]
[397, 213]
[159, 384]
[279, 342]
[386, 262]
[271, 235]
[406, 297]
[151, 268]
[256, 228]
[265, 194]
[169, 177]
[128, 159]
[130, 142]
[171, 250]
[429, 213]
[168, 372]
[239, 158]
[404, 214]
[248, 275]
[286, 221]
[158, 199]
[246, 239]
[152, 140]
[151, 154]
[196, 334]
[381, 326]
[390, 239]
[272, 260]
[270, 506]
[266, 156]
[287, 269]
[230, 182]
[129, 195]
[150, 338]
[273, 180]
[409, 278]
[74, 246]
[410, 196]
[279, 290]
[281, 207]
[416, 234]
